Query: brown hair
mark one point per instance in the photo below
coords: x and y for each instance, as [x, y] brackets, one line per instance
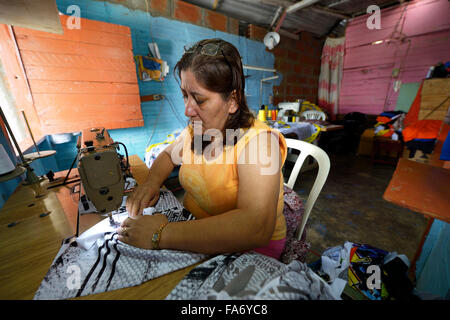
[220, 71]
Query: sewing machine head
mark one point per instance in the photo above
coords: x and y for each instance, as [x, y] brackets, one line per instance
[102, 169]
[286, 106]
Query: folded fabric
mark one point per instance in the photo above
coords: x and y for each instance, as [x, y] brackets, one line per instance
[422, 129]
[251, 276]
[109, 264]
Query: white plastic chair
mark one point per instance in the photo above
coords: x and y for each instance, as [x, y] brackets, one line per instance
[313, 115]
[308, 149]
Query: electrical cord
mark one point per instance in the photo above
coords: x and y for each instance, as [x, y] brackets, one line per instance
[175, 111]
[126, 152]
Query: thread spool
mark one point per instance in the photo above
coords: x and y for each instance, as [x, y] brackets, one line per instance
[262, 115]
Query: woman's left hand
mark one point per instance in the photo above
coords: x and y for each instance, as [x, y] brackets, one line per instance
[138, 232]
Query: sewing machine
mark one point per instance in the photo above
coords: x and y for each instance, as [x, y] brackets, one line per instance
[102, 170]
[286, 106]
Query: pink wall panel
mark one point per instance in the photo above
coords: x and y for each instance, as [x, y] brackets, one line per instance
[367, 85]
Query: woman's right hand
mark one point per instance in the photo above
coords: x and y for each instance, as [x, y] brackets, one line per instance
[144, 196]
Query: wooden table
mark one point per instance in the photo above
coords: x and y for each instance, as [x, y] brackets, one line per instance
[423, 188]
[29, 248]
[331, 127]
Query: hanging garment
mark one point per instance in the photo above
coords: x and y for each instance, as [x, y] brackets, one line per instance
[98, 262]
[251, 276]
[331, 74]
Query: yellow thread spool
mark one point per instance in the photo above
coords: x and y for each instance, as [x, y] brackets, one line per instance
[262, 115]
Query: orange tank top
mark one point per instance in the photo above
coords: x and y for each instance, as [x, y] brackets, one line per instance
[212, 185]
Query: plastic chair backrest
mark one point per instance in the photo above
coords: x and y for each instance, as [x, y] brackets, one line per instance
[314, 115]
[308, 149]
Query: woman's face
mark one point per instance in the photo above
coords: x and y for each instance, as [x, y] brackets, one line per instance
[204, 105]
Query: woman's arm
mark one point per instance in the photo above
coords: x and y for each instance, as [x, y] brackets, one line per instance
[147, 193]
[250, 225]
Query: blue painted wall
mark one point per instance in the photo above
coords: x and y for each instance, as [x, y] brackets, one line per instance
[8, 187]
[171, 36]
[433, 266]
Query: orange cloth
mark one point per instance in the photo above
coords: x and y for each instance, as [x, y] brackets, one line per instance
[422, 129]
[383, 119]
[212, 186]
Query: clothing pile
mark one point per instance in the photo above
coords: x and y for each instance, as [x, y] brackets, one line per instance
[374, 273]
[251, 276]
[390, 125]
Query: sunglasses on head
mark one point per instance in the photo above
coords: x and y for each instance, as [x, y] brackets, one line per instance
[208, 49]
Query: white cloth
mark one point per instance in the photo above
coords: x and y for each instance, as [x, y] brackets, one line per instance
[98, 262]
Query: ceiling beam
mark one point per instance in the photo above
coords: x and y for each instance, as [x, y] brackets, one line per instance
[337, 3]
[275, 3]
[330, 12]
[300, 5]
[288, 34]
[276, 16]
[278, 3]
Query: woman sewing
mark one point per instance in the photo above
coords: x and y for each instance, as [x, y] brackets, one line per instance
[236, 196]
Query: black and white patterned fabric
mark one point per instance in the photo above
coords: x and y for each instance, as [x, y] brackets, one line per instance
[251, 276]
[97, 262]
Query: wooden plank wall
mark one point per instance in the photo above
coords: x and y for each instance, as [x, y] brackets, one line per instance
[15, 80]
[434, 93]
[366, 83]
[83, 78]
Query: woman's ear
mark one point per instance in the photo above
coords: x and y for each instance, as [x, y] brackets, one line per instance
[233, 103]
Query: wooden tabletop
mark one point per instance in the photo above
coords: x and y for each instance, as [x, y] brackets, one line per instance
[331, 127]
[423, 188]
[30, 246]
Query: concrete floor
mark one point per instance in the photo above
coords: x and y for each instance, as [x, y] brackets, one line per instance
[351, 208]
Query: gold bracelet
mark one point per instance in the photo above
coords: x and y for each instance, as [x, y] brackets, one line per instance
[157, 236]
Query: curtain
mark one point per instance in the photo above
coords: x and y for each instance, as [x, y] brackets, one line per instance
[331, 74]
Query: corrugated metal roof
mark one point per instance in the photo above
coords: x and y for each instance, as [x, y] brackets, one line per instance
[322, 18]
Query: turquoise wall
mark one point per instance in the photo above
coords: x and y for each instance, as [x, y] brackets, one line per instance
[433, 266]
[171, 36]
[7, 187]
